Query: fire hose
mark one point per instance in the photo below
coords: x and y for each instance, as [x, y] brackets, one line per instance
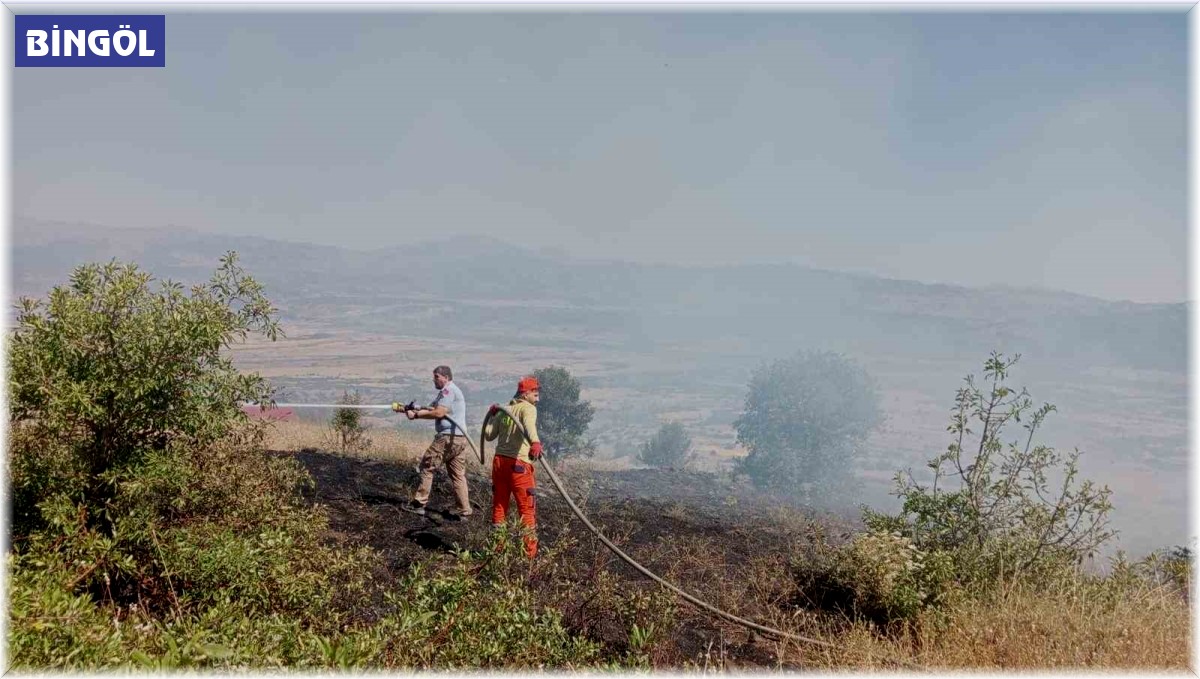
[558, 485]
[642, 569]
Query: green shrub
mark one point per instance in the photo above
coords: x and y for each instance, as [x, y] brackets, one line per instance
[475, 616]
[52, 626]
[630, 622]
[219, 596]
[109, 370]
[669, 447]
[1169, 569]
[879, 576]
[347, 425]
[453, 618]
[1001, 508]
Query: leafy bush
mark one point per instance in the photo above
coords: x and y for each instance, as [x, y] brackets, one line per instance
[1012, 508]
[196, 528]
[461, 617]
[1169, 568]
[156, 498]
[51, 625]
[563, 418]
[995, 511]
[479, 615]
[108, 371]
[1172, 566]
[347, 425]
[805, 421]
[465, 616]
[670, 447]
[882, 577]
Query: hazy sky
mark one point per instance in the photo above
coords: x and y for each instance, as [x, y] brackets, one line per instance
[1032, 149]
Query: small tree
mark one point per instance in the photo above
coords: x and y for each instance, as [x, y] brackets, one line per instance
[348, 426]
[563, 418]
[1009, 503]
[669, 447]
[806, 419]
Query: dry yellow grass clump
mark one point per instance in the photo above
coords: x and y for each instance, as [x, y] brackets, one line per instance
[1068, 626]
[388, 442]
[382, 442]
[1026, 628]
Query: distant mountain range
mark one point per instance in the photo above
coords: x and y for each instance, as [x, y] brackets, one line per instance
[750, 310]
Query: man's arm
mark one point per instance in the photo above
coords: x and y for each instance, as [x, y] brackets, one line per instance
[529, 419]
[437, 412]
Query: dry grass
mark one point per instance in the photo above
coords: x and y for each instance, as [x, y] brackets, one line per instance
[592, 464]
[385, 443]
[1066, 627]
[1078, 623]
[1019, 628]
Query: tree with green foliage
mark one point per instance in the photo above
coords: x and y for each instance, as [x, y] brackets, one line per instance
[805, 421]
[1003, 505]
[141, 492]
[563, 418]
[109, 371]
[671, 446]
[347, 424]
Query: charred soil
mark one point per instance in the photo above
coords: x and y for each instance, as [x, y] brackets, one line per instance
[709, 535]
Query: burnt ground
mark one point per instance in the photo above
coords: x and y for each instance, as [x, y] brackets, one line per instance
[710, 535]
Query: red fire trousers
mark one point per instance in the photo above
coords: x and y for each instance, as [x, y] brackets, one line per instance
[511, 476]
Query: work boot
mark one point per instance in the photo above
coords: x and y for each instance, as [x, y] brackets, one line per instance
[414, 507]
[456, 517]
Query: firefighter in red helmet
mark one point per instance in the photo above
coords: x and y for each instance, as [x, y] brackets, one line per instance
[512, 466]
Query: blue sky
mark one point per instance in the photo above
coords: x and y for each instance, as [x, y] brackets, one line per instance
[1020, 148]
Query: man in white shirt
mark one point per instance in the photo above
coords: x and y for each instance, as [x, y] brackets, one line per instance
[449, 444]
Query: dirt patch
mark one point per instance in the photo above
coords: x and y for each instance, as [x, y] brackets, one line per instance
[643, 507]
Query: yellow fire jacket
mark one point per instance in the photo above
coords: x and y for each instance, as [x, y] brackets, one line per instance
[509, 441]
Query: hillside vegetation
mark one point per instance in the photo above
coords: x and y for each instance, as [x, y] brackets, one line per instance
[152, 528]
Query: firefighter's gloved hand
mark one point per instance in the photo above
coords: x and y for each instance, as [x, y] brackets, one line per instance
[535, 450]
[494, 409]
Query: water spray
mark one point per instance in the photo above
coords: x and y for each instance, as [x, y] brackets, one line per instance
[394, 407]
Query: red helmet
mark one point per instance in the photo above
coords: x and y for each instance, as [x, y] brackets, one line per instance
[527, 383]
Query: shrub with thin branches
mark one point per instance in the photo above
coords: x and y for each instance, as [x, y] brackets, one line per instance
[347, 425]
[1005, 506]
